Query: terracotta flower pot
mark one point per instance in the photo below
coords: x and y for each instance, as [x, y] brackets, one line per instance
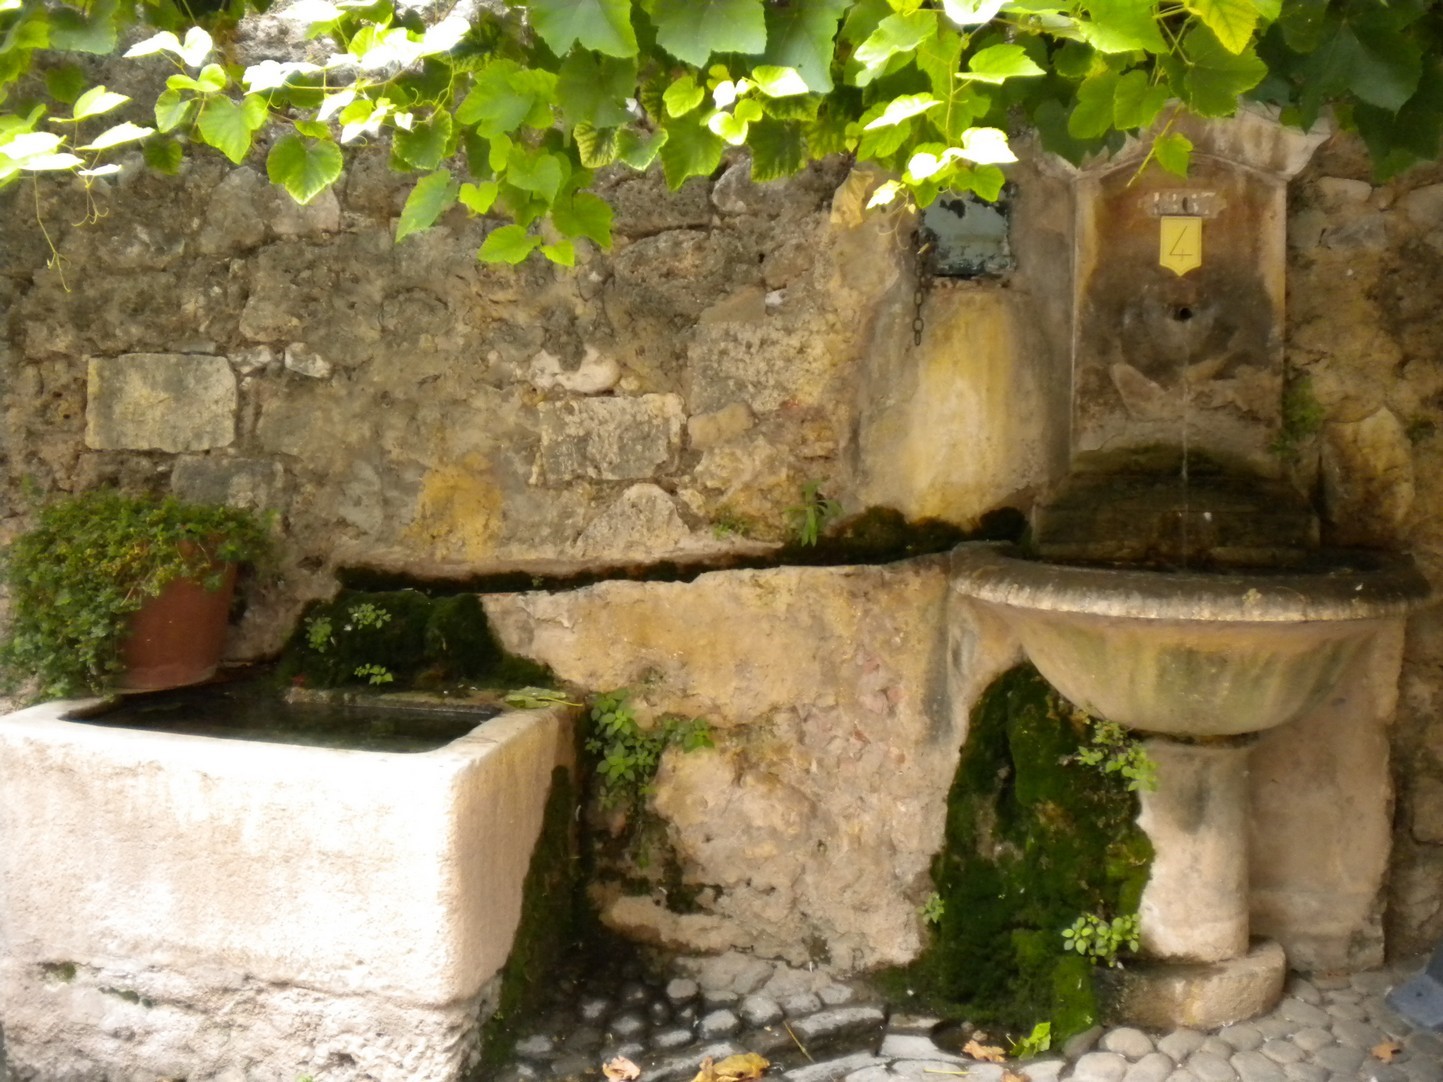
[177, 637]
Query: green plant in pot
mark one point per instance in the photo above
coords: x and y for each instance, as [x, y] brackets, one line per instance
[116, 591]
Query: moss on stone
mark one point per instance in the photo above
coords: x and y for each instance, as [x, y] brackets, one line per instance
[550, 921]
[422, 641]
[1033, 840]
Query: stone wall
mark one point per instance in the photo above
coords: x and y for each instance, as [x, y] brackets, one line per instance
[405, 408]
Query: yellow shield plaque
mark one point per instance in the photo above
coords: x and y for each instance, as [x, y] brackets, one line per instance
[1180, 243]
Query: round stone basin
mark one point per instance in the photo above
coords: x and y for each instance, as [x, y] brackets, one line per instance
[1192, 654]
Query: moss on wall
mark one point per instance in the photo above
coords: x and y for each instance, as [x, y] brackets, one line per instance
[1033, 840]
[418, 639]
[550, 921]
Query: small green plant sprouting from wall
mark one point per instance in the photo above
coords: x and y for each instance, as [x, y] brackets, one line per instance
[1114, 752]
[809, 518]
[627, 755]
[1302, 418]
[1035, 1043]
[932, 909]
[1101, 940]
[374, 674]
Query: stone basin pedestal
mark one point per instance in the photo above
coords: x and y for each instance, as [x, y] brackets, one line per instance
[1196, 664]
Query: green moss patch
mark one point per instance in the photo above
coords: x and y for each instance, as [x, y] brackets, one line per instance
[1034, 839]
[402, 638]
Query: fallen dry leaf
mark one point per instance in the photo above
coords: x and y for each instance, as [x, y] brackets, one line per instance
[1013, 1076]
[620, 1069]
[739, 1068]
[1386, 1051]
[989, 1053]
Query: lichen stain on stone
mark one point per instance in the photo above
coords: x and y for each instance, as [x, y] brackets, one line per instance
[460, 511]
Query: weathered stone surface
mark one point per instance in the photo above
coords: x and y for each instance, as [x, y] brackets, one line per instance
[307, 362]
[607, 439]
[642, 522]
[1161, 996]
[1368, 479]
[160, 402]
[255, 484]
[826, 692]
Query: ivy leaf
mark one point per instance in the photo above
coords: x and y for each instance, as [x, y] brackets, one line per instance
[163, 155]
[1173, 152]
[1095, 110]
[778, 149]
[683, 96]
[96, 101]
[433, 195]
[971, 12]
[1215, 77]
[1123, 26]
[562, 252]
[1232, 21]
[425, 145]
[690, 150]
[799, 36]
[509, 244]
[224, 125]
[895, 34]
[692, 30]
[584, 215]
[900, 109]
[1137, 101]
[303, 167]
[593, 89]
[998, 63]
[603, 25]
[777, 82]
[478, 198]
[91, 32]
[122, 133]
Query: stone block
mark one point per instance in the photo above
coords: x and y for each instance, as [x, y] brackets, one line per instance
[256, 484]
[607, 439]
[160, 402]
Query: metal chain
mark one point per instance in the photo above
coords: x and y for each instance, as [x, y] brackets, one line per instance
[922, 282]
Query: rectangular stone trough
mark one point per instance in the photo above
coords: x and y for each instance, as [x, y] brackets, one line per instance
[185, 907]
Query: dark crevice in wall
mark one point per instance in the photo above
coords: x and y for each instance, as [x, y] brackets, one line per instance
[876, 536]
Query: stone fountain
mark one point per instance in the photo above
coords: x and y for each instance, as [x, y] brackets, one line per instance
[1177, 585]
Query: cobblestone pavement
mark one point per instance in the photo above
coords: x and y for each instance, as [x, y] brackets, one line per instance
[814, 1029]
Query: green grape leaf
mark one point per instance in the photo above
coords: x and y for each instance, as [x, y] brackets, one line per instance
[478, 198]
[593, 89]
[900, 109]
[986, 181]
[313, 128]
[303, 167]
[603, 25]
[971, 12]
[502, 98]
[778, 149]
[120, 134]
[683, 95]
[690, 150]
[692, 30]
[163, 155]
[1123, 26]
[1095, 110]
[66, 82]
[508, 244]
[171, 110]
[97, 100]
[1173, 152]
[1137, 102]
[777, 82]
[90, 32]
[998, 63]
[426, 144]
[584, 215]
[536, 171]
[224, 125]
[432, 196]
[597, 148]
[1385, 69]
[895, 34]
[640, 149]
[562, 252]
[1215, 77]
[729, 126]
[1232, 21]
[799, 36]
